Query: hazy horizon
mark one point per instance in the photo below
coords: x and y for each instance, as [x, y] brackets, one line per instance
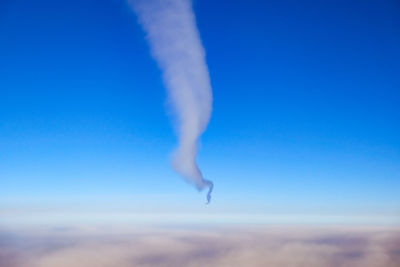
[245, 245]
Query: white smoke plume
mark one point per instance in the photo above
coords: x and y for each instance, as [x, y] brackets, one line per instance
[176, 46]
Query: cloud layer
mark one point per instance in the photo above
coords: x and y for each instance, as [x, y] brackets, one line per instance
[224, 246]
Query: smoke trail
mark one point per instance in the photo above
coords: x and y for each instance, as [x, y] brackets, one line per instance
[176, 46]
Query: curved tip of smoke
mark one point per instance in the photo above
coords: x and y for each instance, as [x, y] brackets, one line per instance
[176, 46]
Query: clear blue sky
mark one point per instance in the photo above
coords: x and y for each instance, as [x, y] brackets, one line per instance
[305, 114]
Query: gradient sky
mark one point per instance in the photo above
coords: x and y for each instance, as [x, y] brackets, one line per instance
[305, 114]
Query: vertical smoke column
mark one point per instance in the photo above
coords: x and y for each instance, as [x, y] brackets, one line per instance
[176, 46]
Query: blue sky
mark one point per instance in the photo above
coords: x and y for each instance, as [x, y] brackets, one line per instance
[305, 113]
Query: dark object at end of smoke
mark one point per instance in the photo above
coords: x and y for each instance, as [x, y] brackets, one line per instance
[210, 186]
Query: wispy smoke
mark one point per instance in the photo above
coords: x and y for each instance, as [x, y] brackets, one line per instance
[176, 46]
